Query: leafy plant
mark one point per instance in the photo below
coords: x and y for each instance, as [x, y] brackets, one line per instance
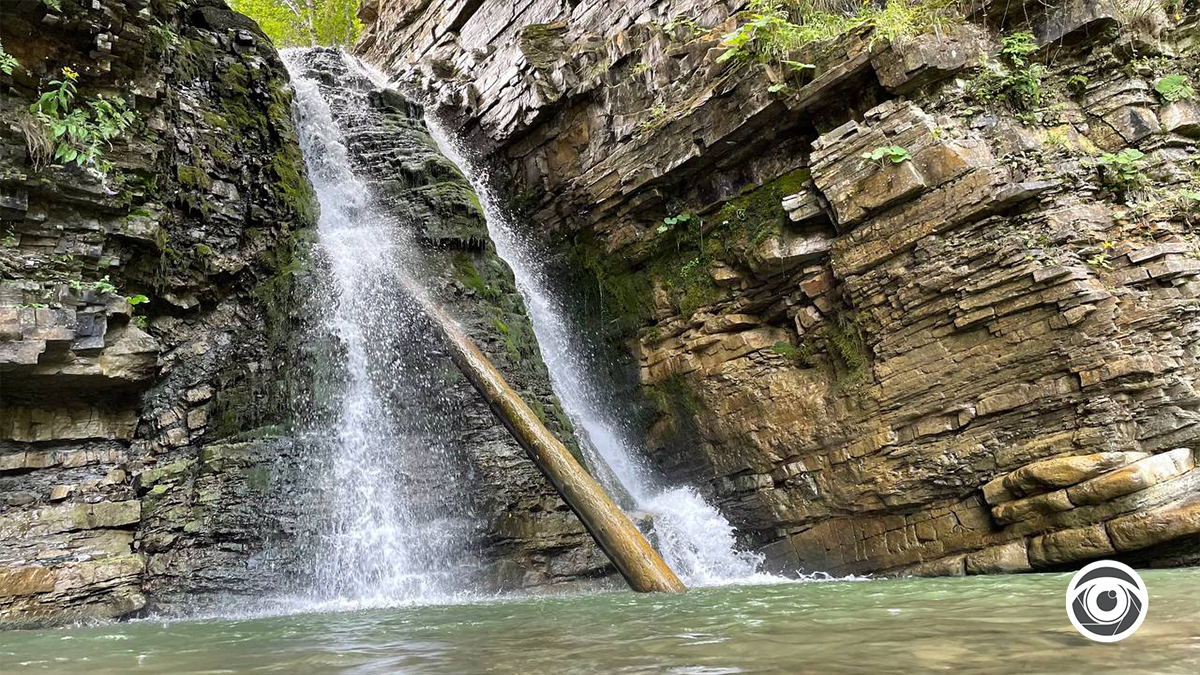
[53, 4]
[800, 357]
[1122, 170]
[1017, 47]
[103, 287]
[767, 35]
[1174, 88]
[886, 154]
[73, 133]
[1013, 79]
[1077, 85]
[139, 299]
[164, 37]
[7, 61]
[1101, 257]
[671, 221]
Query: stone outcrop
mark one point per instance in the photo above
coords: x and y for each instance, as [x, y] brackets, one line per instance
[975, 355]
[143, 314]
[160, 362]
[529, 535]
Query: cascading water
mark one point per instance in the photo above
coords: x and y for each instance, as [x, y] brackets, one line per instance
[694, 538]
[394, 530]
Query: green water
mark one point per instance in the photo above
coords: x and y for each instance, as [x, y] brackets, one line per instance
[972, 625]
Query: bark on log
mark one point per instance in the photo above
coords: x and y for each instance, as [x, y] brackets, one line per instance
[638, 561]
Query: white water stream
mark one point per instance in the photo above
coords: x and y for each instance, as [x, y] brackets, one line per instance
[397, 531]
[694, 538]
[386, 541]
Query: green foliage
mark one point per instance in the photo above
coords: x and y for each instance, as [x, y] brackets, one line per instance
[886, 154]
[671, 221]
[102, 287]
[164, 37]
[1123, 170]
[771, 30]
[7, 61]
[139, 299]
[1014, 79]
[1017, 47]
[73, 133]
[1101, 257]
[849, 342]
[53, 4]
[1077, 85]
[304, 23]
[800, 357]
[1175, 88]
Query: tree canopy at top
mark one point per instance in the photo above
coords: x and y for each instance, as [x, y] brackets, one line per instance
[304, 23]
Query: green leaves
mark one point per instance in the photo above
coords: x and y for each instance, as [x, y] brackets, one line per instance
[79, 135]
[1017, 47]
[135, 300]
[894, 154]
[1174, 88]
[1123, 170]
[7, 61]
[670, 222]
[304, 23]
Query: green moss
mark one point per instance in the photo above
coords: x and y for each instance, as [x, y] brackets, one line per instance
[193, 177]
[195, 57]
[467, 273]
[289, 257]
[674, 399]
[233, 410]
[291, 184]
[801, 357]
[258, 479]
[848, 340]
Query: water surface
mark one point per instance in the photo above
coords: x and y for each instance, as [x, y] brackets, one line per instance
[1006, 625]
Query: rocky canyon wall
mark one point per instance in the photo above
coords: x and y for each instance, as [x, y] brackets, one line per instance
[927, 304]
[159, 348]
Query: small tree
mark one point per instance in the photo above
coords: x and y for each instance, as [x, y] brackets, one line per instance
[304, 23]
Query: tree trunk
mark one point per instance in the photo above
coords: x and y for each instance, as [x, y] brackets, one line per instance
[616, 534]
[312, 11]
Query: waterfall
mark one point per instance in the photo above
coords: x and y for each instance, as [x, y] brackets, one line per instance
[394, 530]
[694, 538]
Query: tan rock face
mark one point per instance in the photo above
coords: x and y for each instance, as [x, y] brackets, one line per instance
[993, 359]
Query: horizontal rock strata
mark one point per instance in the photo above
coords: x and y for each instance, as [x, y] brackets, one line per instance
[976, 355]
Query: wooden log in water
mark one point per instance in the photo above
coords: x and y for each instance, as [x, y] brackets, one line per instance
[634, 557]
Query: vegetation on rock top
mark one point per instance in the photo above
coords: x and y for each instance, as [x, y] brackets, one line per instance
[304, 23]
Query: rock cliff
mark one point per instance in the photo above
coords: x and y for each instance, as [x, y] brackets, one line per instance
[916, 293]
[158, 348]
[136, 338]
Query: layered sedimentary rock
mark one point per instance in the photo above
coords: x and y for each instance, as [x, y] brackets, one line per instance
[158, 344]
[134, 337]
[899, 312]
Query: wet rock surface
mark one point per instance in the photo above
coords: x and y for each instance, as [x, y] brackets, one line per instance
[144, 317]
[526, 534]
[152, 456]
[977, 357]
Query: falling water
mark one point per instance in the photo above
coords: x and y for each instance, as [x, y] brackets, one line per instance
[395, 533]
[694, 538]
